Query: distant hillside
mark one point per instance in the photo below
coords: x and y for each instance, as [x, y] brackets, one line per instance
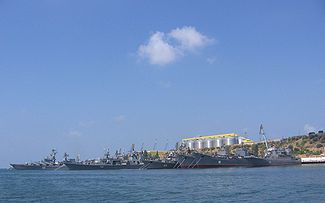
[302, 145]
[312, 144]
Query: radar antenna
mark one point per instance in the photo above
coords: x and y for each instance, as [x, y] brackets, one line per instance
[262, 133]
[53, 154]
[66, 156]
[106, 154]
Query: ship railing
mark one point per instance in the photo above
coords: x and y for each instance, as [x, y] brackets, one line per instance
[145, 166]
[189, 166]
[176, 164]
[197, 162]
[180, 164]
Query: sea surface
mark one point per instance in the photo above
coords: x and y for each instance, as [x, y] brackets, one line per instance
[267, 184]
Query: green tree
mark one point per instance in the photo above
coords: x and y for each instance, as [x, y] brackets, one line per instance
[255, 149]
[157, 155]
[145, 154]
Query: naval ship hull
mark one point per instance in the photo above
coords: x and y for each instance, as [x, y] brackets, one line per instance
[197, 160]
[154, 164]
[283, 162]
[36, 167]
[80, 166]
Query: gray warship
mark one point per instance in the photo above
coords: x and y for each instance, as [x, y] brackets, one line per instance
[222, 159]
[278, 156]
[158, 164]
[273, 157]
[168, 162]
[120, 161]
[48, 163]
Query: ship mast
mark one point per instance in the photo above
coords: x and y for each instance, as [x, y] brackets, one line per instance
[66, 156]
[262, 133]
[53, 155]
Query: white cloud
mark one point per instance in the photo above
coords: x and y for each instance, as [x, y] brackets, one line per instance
[74, 134]
[163, 49]
[158, 51]
[86, 124]
[309, 128]
[119, 118]
[189, 38]
[211, 60]
[165, 84]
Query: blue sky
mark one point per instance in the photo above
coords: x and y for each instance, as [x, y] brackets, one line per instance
[73, 75]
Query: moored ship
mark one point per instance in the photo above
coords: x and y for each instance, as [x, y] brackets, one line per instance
[278, 156]
[168, 162]
[48, 163]
[222, 159]
[102, 166]
[158, 164]
[129, 161]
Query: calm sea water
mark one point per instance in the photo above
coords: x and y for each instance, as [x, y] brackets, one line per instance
[268, 184]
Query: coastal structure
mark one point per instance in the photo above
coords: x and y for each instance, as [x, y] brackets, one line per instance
[313, 159]
[214, 141]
